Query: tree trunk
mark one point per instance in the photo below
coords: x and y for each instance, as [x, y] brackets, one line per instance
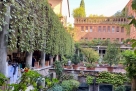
[133, 84]
[78, 53]
[43, 59]
[57, 58]
[83, 58]
[3, 44]
[29, 59]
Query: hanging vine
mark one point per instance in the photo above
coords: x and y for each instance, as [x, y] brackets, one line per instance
[35, 26]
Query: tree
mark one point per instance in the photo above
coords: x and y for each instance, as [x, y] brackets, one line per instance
[112, 54]
[134, 4]
[119, 14]
[90, 54]
[133, 21]
[95, 15]
[82, 4]
[29, 26]
[71, 30]
[80, 11]
[130, 61]
[4, 27]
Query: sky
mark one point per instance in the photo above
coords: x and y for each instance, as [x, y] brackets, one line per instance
[99, 7]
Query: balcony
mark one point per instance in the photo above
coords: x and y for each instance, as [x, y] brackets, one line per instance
[101, 20]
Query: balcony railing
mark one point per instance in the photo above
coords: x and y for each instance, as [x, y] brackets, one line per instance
[101, 20]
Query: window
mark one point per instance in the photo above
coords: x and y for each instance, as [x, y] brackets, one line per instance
[108, 39]
[108, 29]
[82, 28]
[122, 29]
[105, 88]
[117, 29]
[108, 20]
[82, 38]
[86, 38]
[122, 39]
[113, 29]
[91, 29]
[117, 39]
[104, 28]
[99, 29]
[86, 28]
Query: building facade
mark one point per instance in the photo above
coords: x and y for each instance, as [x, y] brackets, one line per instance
[103, 28]
[61, 8]
[130, 12]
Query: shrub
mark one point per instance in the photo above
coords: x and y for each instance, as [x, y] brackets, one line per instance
[89, 65]
[67, 77]
[58, 68]
[75, 59]
[70, 85]
[89, 80]
[55, 88]
[2, 79]
[120, 88]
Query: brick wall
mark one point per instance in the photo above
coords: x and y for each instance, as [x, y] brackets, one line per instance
[100, 28]
[131, 12]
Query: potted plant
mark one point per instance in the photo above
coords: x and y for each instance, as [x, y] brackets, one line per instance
[109, 68]
[75, 60]
[64, 62]
[90, 66]
[36, 64]
[82, 68]
[112, 55]
[58, 67]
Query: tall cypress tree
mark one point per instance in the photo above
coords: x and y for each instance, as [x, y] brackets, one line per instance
[80, 11]
[82, 5]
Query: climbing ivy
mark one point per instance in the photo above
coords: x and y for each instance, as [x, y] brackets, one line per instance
[116, 79]
[58, 40]
[35, 26]
[133, 22]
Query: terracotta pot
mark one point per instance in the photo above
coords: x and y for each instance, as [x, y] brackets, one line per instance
[46, 63]
[36, 64]
[75, 67]
[67, 67]
[82, 68]
[40, 66]
[90, 68]
[110, 69]
[120, 65]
